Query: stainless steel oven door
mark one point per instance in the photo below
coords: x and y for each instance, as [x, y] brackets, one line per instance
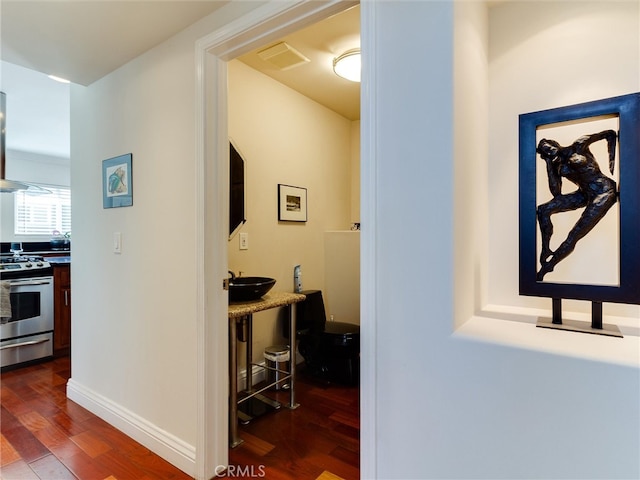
[31, 307]
[24, 349]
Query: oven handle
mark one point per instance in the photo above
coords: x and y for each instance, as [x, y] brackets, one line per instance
[25, 344]
[28, 283]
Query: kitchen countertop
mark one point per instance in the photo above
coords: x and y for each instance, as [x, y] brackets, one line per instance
[58, 260]
[37, 248]
[270, 300]
[31, 253]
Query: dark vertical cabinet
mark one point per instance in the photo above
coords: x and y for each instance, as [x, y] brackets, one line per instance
[62, 309]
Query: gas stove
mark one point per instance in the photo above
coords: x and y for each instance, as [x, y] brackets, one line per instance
[23, 264]
[26, 323]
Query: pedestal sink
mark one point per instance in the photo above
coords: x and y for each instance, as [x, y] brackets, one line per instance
[243, 289]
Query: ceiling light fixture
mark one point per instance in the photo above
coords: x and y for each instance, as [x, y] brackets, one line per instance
[347, 65]
[59, 79]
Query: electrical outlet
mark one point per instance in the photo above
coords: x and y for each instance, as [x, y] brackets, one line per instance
[117, 242]
[244, 241]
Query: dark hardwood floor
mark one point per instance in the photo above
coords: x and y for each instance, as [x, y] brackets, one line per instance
[48, 437]
[318, 440]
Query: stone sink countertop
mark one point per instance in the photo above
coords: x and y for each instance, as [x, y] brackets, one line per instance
[270, 300]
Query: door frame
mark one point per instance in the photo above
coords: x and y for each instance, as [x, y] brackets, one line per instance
[266, 23]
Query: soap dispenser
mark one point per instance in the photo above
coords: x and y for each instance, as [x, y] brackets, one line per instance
[297, 279]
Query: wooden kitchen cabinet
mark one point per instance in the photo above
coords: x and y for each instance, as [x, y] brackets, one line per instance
[61, 309]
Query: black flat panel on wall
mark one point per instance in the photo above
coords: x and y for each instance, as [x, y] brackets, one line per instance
[627, 109]
[236, 190]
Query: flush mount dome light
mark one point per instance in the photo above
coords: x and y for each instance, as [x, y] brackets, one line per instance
[347, 65]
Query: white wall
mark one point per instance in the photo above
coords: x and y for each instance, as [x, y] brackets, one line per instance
[355, 172]
[470, 198]
[134, 313]
[457, 402]
[342, 274]
[288, 139]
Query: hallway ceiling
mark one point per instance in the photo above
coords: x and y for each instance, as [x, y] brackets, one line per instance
[85, 40]
[68, 39]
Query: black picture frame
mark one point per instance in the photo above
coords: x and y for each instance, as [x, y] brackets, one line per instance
[292, 203]
[627, 109]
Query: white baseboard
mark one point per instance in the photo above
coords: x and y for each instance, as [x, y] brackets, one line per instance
[172, 449]
[257, 375]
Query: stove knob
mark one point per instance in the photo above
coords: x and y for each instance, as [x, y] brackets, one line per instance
[39, 264]
[28, 265]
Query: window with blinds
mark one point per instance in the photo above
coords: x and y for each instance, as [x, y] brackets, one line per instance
[41, 214]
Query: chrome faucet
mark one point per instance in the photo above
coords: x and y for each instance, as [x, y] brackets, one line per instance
[233, 275]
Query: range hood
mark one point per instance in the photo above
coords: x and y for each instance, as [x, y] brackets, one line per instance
[6, 186]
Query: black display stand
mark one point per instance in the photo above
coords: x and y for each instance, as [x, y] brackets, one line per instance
[596, 327]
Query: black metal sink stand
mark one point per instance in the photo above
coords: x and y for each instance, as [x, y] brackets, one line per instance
[253, 403]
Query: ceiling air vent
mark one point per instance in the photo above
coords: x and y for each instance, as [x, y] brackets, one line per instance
[283, 56]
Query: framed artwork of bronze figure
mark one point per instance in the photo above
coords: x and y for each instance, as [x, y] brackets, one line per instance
[579, 201]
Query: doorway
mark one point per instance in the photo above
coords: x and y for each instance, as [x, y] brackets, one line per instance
[269, 24]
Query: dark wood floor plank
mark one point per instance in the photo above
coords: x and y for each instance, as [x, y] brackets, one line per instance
[328, 476]
[51, 436]
[24, 391]
[8, 454]
[12, 402]
[65, 450]
[43, 405]
[346, 419]
[76, 412]
[156, 467]
[22, 440]
[119, 465]
[90, 444]
[335, 466]
[347, 456]
[113, 437]
[66, 423]
[7, 419]
[256, 445]
[33, 421]
[83, 467]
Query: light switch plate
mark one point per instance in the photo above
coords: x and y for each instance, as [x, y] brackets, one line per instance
[244, 241]
[117, 242]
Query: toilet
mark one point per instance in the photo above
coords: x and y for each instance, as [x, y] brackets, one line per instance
[331, 350]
